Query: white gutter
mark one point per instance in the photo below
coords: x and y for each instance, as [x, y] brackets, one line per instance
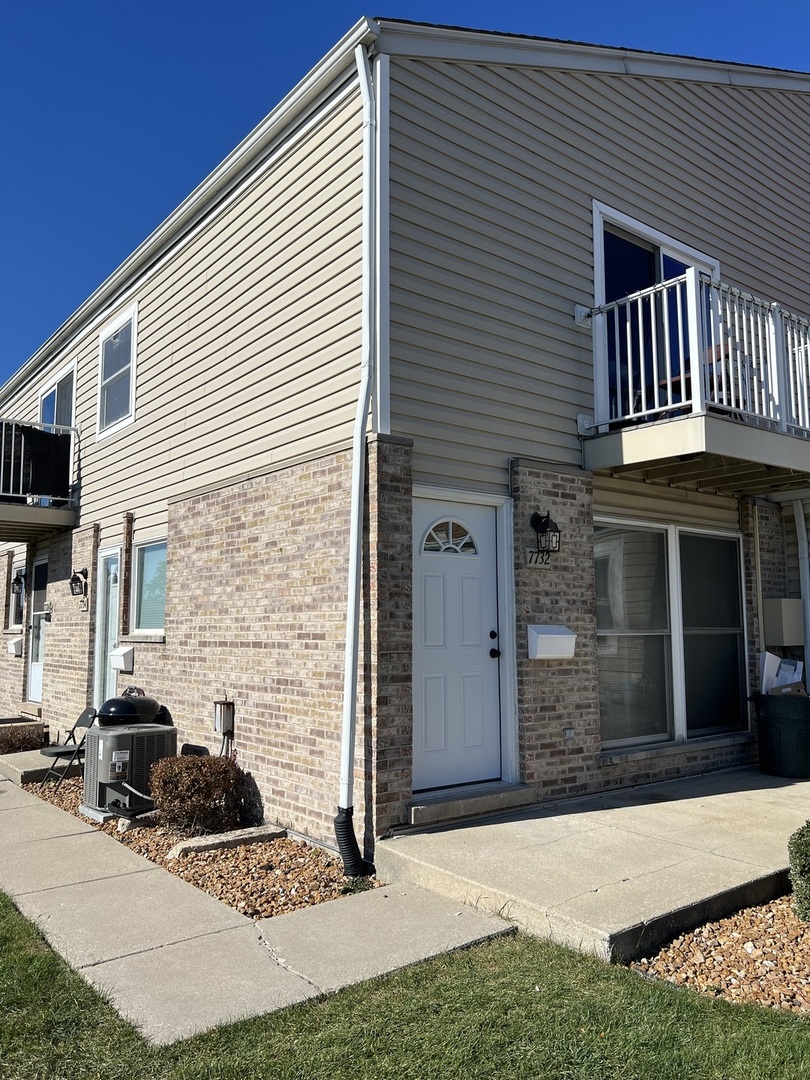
[235, 165]
[345, 800]
[804, 565]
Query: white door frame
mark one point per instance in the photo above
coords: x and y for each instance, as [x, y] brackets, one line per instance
[505, 569]
[39, 560]
[101, 662]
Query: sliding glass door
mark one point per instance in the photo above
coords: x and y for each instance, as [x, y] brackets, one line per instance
[670, 634]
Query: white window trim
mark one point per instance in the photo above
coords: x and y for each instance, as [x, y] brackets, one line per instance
[51, 385]
[134, 631]
[673, 533]
[129, 314]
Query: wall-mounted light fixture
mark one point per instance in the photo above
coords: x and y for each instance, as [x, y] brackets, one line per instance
[224, 715]
[18, 583]
[78, 583]
[547, 531]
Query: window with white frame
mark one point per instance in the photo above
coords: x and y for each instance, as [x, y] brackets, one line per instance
[116, 397]
[149, 599]
[642, 345]
[670, 632]
[16, 597]
[56, 404]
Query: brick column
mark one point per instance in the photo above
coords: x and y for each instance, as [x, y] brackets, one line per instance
[555, 695]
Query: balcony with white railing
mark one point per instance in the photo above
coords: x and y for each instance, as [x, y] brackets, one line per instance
[695, 367]
[38, 480]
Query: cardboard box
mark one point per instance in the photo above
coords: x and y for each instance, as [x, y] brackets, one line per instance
[795, 688]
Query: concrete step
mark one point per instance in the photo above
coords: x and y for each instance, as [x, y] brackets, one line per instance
[472, 801]
[617, 874]
[615, 935]
[29, 767]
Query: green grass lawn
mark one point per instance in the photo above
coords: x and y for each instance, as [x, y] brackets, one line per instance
[515, 1007]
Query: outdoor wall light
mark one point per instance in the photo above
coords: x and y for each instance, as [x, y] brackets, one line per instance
[224, 715]
[78, 582]
[18, 583]
[547, 531]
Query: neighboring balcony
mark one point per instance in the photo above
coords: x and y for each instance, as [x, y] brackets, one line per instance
[700, 384]
[38, 480]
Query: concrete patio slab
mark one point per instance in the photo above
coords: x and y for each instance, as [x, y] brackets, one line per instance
[176, 991]
[360, 937]
[616, 874]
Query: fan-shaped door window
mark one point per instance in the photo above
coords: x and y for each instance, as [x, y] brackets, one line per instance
[449, 537]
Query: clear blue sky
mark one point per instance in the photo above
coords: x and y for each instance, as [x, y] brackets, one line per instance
[112, 111]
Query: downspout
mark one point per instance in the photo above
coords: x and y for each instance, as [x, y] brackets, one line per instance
[353, 863]
[804, 567]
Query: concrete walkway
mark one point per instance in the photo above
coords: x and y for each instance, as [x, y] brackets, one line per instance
[173, 960]
[617, 874]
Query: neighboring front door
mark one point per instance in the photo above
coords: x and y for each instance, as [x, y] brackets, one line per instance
[39, 621]
[105, 682]
[456, 685]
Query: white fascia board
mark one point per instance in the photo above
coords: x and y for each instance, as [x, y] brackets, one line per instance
[480, 47]
[235, 164]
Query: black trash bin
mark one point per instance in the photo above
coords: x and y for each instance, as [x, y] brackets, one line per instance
[783, 731]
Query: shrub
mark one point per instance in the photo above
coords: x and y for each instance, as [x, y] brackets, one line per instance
[799, 857]
[202, 794]
[15, 738]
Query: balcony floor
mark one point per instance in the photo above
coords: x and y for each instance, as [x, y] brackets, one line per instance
[707, 452]
[23, 524]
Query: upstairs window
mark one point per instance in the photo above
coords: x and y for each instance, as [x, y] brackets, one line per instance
[56, 404]
[116, 400]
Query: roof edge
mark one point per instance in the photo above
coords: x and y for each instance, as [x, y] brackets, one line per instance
[427, 41]
[364, 32]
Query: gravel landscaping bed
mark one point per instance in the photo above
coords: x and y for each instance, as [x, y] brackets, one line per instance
[259, 880]
[760, 955]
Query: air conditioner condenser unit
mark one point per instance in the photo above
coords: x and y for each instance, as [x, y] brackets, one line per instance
[116, 768]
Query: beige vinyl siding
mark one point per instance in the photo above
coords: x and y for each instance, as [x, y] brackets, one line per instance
[614, 497]
[493, 175]
[248, 339]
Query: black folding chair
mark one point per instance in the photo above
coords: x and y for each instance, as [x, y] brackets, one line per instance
[70, 751]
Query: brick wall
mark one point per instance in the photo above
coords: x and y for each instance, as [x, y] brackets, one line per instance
[772, 550]
[389, 639]
[69, 636]
[556, 695]
[12, 668]
[256, 608]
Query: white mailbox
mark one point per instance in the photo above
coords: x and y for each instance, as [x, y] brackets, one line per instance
[123, 659]
[15, 646]
[551, 643]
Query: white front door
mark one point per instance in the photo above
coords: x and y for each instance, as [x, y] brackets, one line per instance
[39, 621]
[456, 685]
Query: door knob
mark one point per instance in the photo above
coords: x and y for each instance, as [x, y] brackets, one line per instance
[493, 634]
[494, 653]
